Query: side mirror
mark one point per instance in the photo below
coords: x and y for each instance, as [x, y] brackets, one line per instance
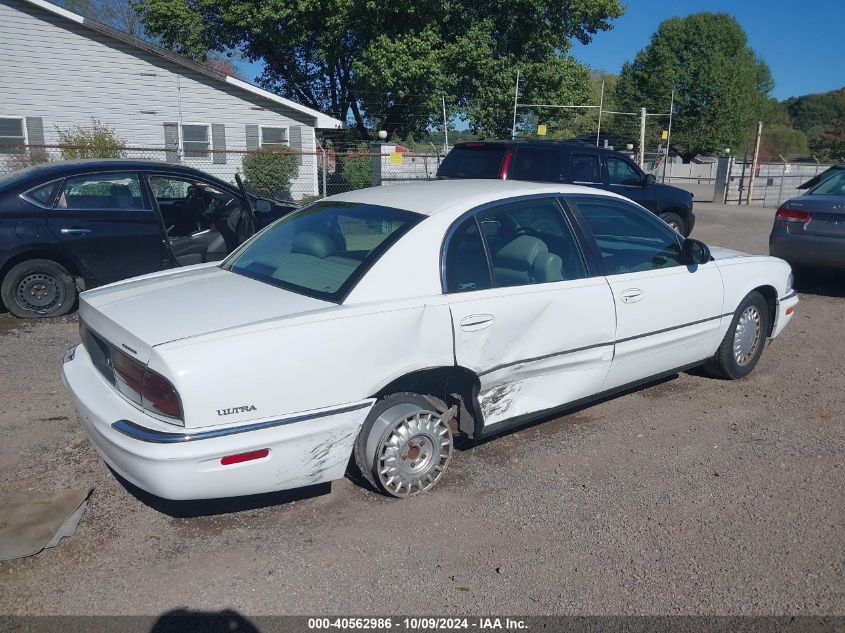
[650, 179]
[263, 206]
[696, 252]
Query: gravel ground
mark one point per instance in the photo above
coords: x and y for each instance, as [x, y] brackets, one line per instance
[691, 496]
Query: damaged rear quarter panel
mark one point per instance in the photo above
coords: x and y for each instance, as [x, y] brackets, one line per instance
[306, 362]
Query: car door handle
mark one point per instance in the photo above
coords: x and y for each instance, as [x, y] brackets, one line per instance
[75, 231]
[475, 322]
[631, 295]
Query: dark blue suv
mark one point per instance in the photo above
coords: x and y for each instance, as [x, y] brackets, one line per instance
[573, 163]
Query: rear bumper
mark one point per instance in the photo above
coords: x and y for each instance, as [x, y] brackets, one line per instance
[176, 463]
[807, 250]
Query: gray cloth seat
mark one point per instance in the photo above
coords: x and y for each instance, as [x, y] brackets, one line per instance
[526, 260]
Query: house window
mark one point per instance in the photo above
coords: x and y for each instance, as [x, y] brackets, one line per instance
[274, 137]
[196, 141]
[11, 133]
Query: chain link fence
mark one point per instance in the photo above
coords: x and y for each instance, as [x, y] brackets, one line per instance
[283, 175]
[773, 182]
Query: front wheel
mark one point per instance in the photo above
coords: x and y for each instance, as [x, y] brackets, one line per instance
[744, 341]
[404, 446]
[676, 222]
[38, 288]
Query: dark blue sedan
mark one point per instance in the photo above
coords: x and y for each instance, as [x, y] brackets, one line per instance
[69, 226]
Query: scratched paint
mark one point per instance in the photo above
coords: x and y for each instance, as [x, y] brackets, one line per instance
[496, 402]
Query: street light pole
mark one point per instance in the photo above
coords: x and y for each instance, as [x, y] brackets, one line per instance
[641, 153]
[515, 100]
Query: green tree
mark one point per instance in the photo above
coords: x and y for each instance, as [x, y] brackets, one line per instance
[784, 140]
[720, 84]
[90, 141]
[828, 142]
[386, 65]
[816, 110]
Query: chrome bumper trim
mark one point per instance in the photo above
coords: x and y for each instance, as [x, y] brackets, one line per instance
[144, 434]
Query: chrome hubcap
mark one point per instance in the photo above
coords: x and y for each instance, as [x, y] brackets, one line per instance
[414, 454]
[39, 292]
[747, 335]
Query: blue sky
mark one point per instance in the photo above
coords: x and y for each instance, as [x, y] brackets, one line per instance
[801, 41]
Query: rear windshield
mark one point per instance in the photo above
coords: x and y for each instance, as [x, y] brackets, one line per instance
[483, 160]
[833, 186]
[323, 250]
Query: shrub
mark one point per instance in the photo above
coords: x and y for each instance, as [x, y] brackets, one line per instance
[269, 173]
[356, 169]
[94, 141]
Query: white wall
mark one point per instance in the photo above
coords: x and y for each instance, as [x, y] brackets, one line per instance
[67, 73]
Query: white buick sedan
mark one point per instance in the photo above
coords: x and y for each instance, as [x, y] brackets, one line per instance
[380, 324]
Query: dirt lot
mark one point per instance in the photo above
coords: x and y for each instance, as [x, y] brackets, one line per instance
[693, 495]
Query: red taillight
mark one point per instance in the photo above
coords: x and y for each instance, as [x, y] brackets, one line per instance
[159, 395]
[244, 457]
[130, 372]
[785, 214]
[473, 144]
[506, 163]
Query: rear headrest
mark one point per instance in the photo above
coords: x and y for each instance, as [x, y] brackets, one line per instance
[312, 244]
[520, 253]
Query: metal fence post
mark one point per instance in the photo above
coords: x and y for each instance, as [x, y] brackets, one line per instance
[782, 178]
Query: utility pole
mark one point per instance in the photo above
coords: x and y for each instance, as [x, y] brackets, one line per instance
[669, 134]
[641, 153]
[445, 128]
[753, 173]
[601, 105]
[515, 101]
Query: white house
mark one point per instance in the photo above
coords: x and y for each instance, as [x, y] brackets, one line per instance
[59, 69]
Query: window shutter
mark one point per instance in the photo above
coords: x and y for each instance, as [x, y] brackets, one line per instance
[295, 141]
[171, 142]
[218, 142]
[35, 130]
[251, 138]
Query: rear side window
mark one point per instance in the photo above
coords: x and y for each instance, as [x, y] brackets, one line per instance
[538, 164]
[102, 192]
[474, 160]
[584, 169]
[466, 262]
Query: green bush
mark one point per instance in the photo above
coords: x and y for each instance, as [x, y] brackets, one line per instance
[357, 169]
[269, 173]
[94, 141]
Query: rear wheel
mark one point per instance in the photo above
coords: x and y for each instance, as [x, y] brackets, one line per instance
[744, 341]
[675, 221]
[38, 288]
[404, 446]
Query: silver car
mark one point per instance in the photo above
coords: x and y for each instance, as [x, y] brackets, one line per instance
[809, 231]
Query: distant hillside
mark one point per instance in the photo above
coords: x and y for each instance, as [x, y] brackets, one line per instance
[810, 124]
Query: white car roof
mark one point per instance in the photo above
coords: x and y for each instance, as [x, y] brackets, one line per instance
[431, 197]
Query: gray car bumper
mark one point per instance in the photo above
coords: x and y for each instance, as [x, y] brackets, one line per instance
[807, 250]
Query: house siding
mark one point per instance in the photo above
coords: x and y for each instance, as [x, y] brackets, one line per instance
[67, 73]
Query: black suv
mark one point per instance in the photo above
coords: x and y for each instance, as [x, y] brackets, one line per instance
[69, 226]
[574, 163]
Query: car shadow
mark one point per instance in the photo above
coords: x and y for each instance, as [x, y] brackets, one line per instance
[230, 505]
[824, 283]
[187, 621]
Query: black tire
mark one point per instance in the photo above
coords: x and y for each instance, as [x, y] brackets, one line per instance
[37, 289]
[726, 363]
[386, 416]
[676, 222]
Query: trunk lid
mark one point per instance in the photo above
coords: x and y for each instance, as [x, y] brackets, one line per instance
[138, 314]
[828, 215]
